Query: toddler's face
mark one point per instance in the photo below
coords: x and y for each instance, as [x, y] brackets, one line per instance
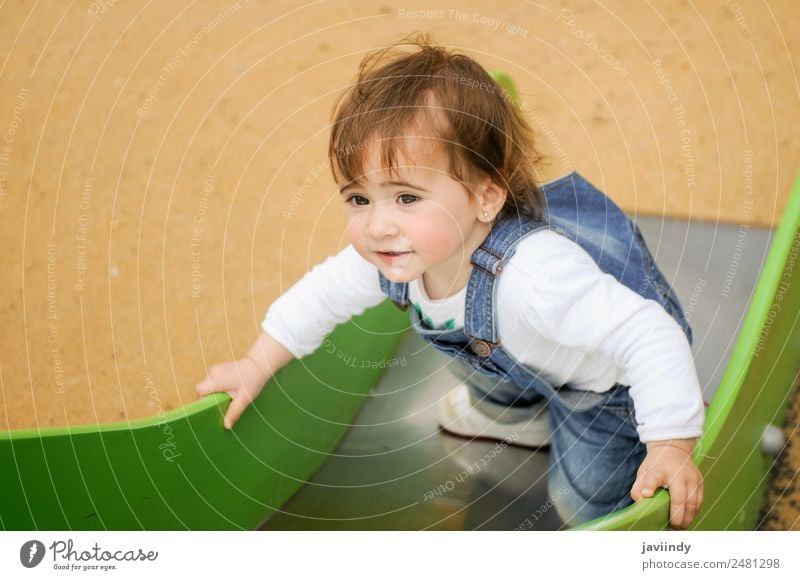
[412, 223]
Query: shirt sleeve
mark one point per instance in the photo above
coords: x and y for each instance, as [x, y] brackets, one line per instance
[332, 292]
[573, 303]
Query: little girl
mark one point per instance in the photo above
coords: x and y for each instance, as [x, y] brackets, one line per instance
[564, 331]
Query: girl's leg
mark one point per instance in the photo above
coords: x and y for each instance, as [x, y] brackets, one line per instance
[502, 401]
[482, 406]
[594, 457]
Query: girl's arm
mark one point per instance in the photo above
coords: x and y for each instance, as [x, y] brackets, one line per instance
[295, 325]
[332, 292]
[268, 354]
[569, 301]
[574, 304]
[244, 379]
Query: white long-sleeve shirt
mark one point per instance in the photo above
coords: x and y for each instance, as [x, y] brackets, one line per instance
[557, 312]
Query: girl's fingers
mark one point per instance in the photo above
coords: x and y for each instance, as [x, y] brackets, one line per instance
[700, 495]
[215, 380]
[693, 502]
[203, 387]
[677, 504]
[235, 410]
[636, 490]
[690, 511]
[207, 386]
[650, 484]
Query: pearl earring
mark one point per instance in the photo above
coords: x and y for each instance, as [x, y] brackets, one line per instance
[486, 214]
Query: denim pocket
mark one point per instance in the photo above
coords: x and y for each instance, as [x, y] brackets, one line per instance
[624, 413]
[484, 366]
[619, 403]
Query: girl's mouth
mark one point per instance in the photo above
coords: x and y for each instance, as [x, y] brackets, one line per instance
[392, 256]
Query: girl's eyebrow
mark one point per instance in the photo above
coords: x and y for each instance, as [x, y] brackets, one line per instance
[355, 183]
[403, 184]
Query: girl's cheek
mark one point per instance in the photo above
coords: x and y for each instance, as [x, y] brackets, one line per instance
[354, 228]
[438, 240]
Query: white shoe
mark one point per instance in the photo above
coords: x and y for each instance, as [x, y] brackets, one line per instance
[460, 416]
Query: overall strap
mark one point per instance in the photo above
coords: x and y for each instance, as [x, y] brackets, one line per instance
[488, 260]
[397, 291]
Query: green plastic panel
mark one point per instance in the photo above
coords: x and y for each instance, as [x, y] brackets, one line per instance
[183, 471]
[755, 391]
[505, 81]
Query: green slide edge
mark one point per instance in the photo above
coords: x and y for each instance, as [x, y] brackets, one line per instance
[182, 470]
[755, 391]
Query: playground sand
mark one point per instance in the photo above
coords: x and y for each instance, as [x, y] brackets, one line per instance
[781, 507]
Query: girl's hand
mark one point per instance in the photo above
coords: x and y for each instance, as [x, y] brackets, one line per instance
[243, 380]
[669, 464]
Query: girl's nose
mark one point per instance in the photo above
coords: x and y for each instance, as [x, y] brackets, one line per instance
[381, 221]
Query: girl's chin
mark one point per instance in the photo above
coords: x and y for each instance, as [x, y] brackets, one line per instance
[398, 275]
[398, 278]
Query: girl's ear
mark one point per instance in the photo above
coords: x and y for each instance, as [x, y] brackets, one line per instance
[490, 198]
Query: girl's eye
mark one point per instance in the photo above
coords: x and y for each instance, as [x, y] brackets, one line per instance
[356, 200]
[360, 200]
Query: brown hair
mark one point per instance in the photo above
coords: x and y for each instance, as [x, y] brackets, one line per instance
[472, 118]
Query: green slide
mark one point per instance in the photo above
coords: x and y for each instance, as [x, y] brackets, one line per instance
[741, 435]
[184, 471]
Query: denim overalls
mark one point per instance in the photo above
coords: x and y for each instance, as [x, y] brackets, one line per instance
[595, 449]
